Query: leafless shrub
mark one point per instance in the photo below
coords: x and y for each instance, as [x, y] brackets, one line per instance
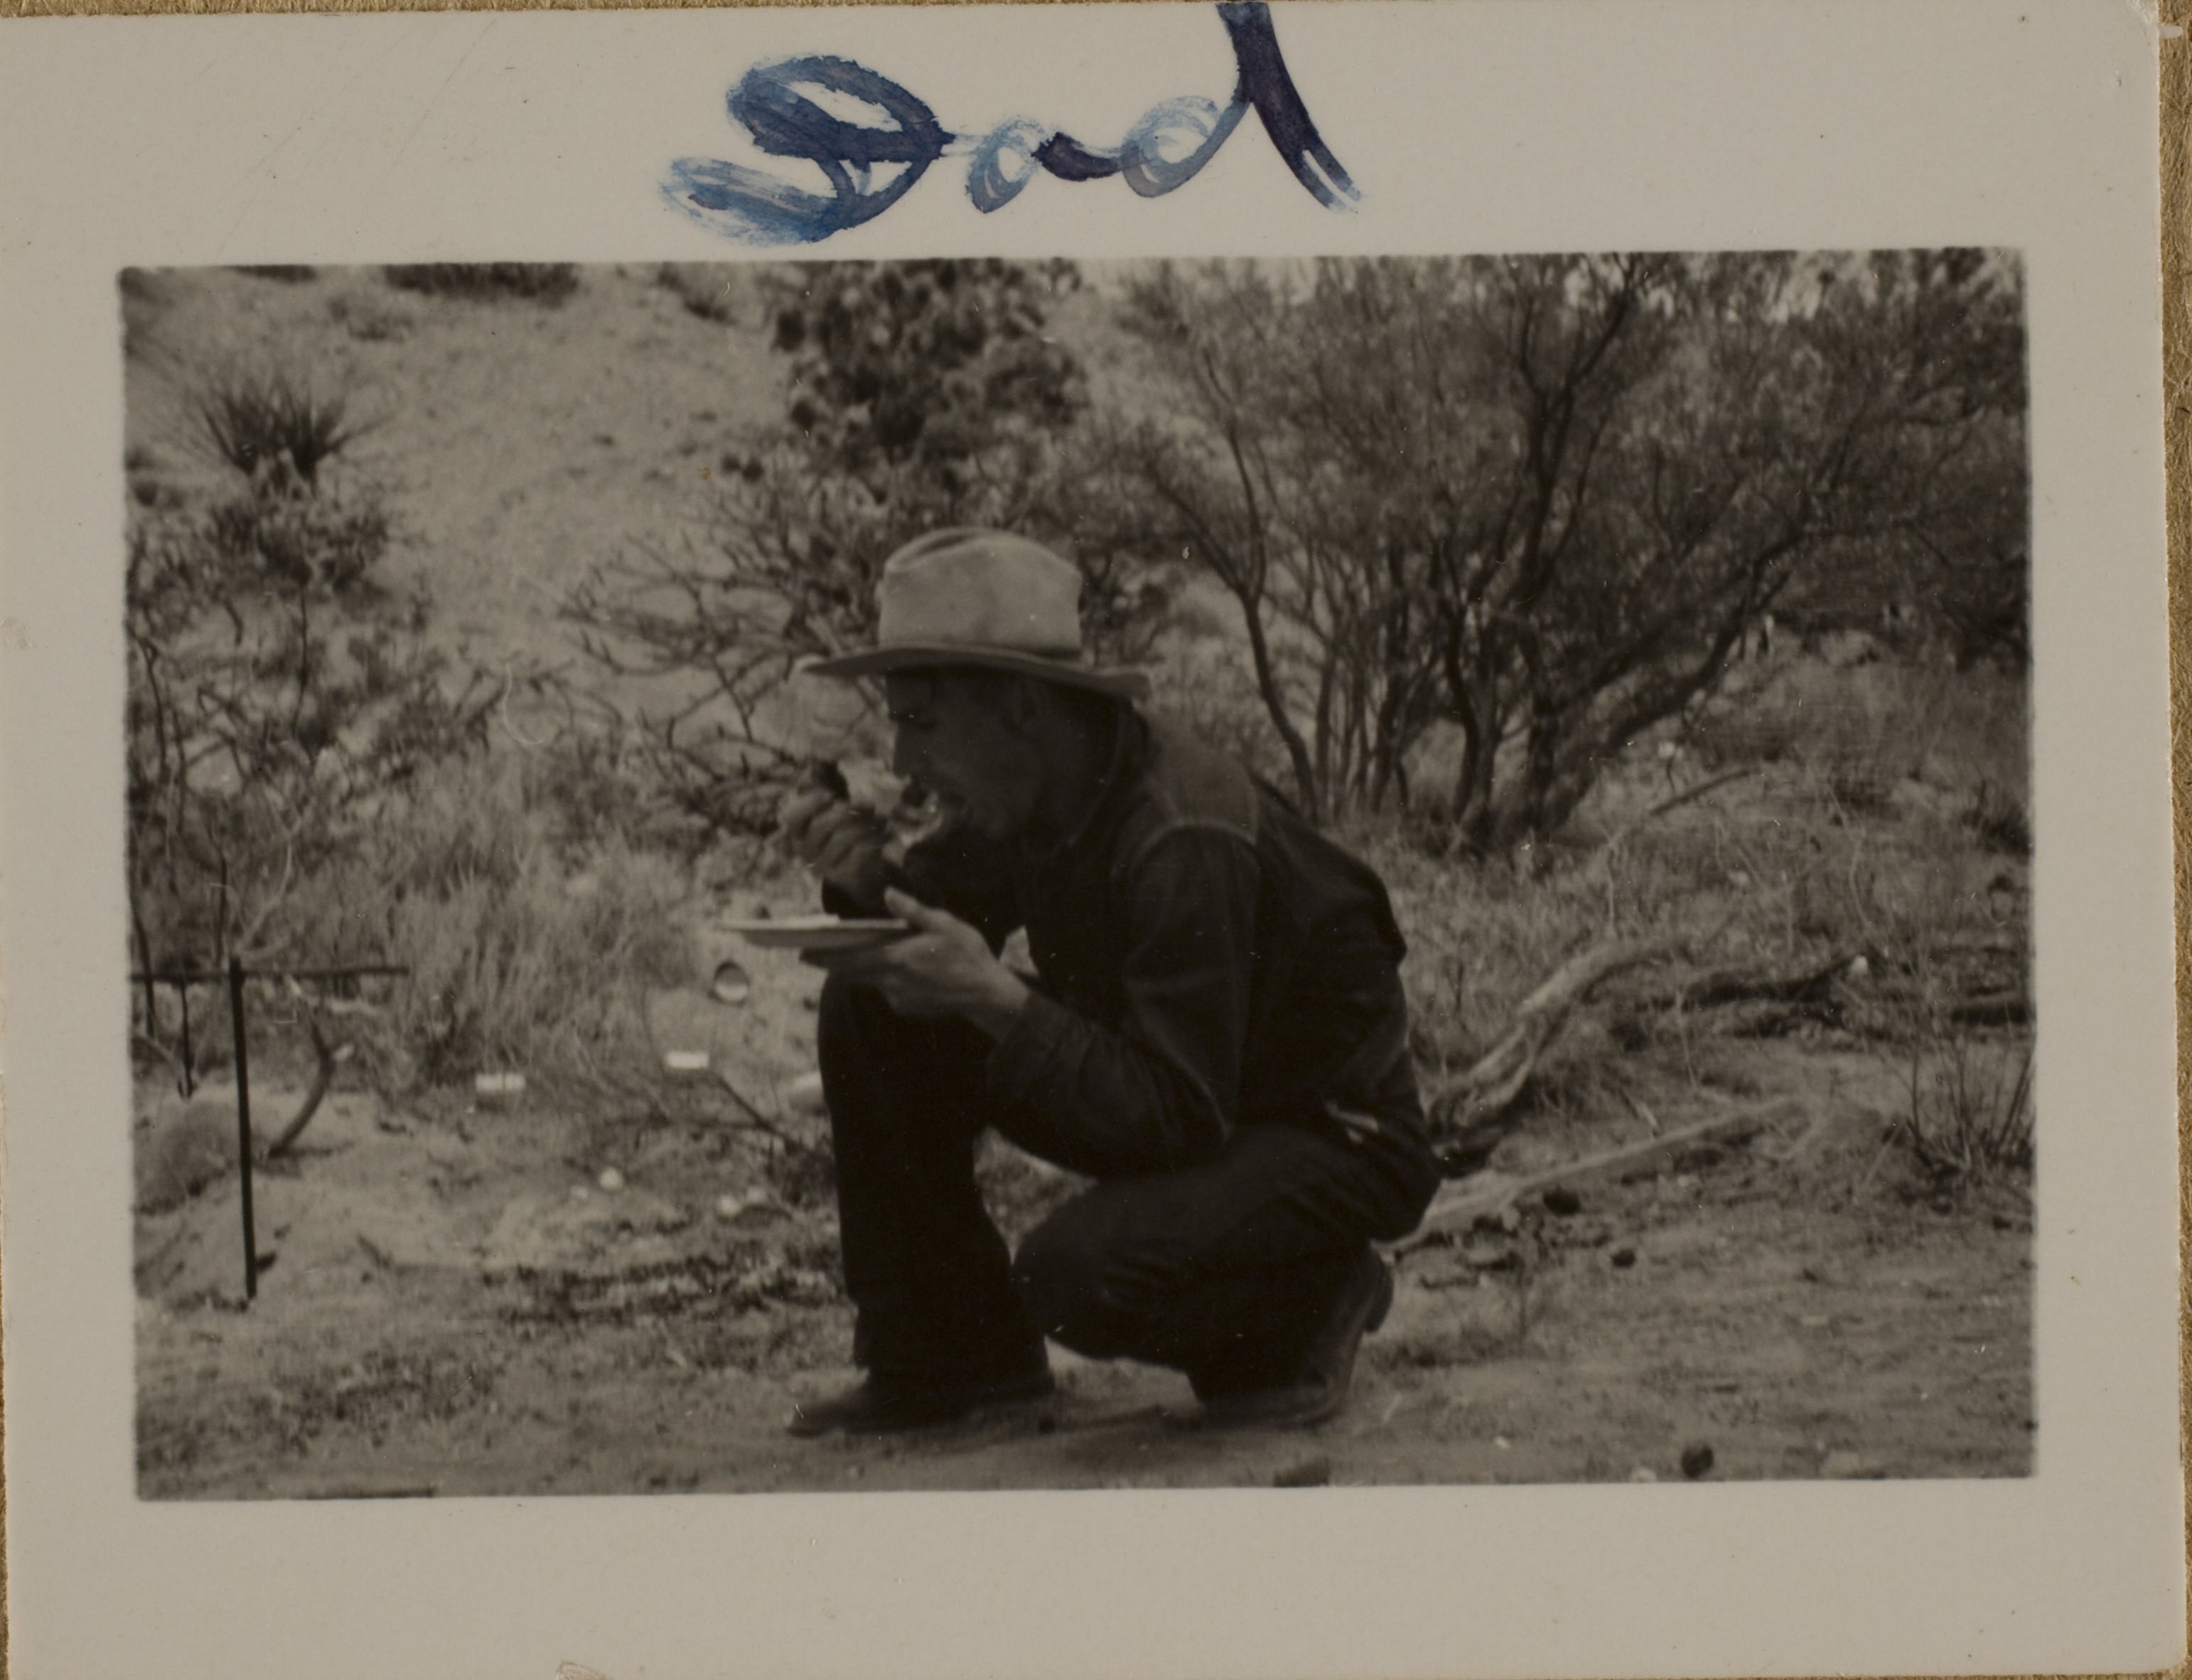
[1970, 1120]
[1998, 820]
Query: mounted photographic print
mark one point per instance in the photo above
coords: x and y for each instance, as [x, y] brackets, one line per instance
[837, 833]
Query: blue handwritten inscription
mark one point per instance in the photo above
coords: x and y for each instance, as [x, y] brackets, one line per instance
[1163, 150]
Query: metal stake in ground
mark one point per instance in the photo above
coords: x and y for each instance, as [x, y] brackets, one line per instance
[243, 1127]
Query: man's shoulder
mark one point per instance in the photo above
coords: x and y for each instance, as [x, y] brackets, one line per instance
[1185, 784]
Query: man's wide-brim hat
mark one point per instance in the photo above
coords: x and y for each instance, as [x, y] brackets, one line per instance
[986, 599]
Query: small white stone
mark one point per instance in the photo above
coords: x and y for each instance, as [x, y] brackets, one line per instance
[1643, 1473]
[611, 1180]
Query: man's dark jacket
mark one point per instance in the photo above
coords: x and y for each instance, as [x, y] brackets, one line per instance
[1207, 960]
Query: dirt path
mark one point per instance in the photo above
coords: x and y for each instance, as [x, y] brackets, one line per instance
[449, 1315]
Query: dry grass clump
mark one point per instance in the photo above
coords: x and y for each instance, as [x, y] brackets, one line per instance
[529, 950]
[1998, 820]
[521, 957]
[1970, 1121]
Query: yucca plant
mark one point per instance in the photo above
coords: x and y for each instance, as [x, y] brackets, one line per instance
[255, 420]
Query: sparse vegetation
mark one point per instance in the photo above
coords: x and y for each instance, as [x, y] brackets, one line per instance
[536, 282]
[1970, 1120]
[523, 953]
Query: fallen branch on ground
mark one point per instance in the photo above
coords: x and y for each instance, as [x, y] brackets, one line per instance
[1813, 986]
[2002, 1008]
[1465, 1199]
[1477, 1096]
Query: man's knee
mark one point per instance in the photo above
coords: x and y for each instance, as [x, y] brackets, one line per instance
[1069, 1277]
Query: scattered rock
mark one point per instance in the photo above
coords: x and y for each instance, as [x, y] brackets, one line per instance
[498, 1090]
[611, 1180]
[1563, 1201]
[754, 1207]
[1643, 1473]
[1849, 1466]
[1492, 1257]
[731, 984]
[1624, 1258]
[803, 1095]
[1697, 1460]
[1310, 1472]
[399, 1239]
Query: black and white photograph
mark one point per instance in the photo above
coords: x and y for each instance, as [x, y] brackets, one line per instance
[1168, 840]
[1421, 865]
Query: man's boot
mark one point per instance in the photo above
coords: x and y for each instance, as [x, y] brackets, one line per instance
[1318, 1388]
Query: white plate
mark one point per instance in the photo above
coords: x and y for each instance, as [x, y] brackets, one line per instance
[819, 933]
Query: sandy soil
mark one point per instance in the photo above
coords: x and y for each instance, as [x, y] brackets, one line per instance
[457, 1308]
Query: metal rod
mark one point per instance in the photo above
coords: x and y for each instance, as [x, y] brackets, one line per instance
[197, 976]
[190, 1061]
[144, 954]
[235, 978]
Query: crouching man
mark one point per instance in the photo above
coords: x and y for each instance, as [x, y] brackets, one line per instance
[1215, 1032]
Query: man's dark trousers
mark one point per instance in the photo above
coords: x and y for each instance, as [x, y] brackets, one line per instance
[1225, 1270]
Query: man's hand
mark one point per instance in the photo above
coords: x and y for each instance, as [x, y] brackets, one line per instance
[841, 842]
[944, 967]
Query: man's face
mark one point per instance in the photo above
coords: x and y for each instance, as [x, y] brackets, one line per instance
[958, 738]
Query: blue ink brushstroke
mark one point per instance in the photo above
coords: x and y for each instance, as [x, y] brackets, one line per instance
[1265, 84]
[1069, 160]
[756, 208]
[989, 185]
[760, 208]
[1147, 170]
